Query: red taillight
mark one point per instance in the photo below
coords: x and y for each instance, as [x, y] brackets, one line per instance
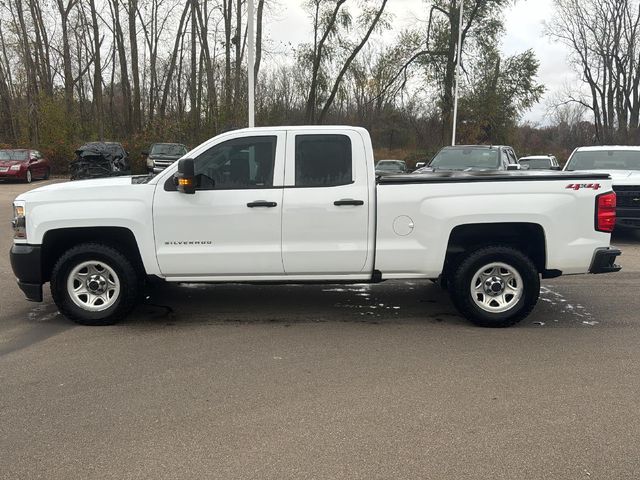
[606, 212]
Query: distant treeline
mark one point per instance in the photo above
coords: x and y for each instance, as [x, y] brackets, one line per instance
[139, 71]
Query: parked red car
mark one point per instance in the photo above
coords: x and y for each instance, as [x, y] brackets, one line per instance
[23, 164]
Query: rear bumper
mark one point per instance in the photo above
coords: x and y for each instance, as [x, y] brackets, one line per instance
[628, 217]
[604, 261]
[26, 262]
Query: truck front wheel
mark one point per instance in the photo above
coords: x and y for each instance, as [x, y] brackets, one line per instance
[495, 286]
[94, 284]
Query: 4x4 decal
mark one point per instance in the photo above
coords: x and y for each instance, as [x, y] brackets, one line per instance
[578, 186]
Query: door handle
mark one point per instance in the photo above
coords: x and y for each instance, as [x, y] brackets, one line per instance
[262, 203]
[348, 201]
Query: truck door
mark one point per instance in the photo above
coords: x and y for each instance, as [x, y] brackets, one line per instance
[326, 214]
[231, 226]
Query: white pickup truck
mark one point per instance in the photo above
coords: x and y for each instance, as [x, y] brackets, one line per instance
[622, 163]
[303, 204]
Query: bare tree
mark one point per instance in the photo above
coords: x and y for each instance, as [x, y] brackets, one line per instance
[124, 61]
[97, 72]
[193, 88]
[135, 72]
[323, 26]
[258, 56]
[604, 38]
[64, 9]
[172, 61]
[347, 63]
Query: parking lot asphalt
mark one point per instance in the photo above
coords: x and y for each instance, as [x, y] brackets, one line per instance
[329, 381]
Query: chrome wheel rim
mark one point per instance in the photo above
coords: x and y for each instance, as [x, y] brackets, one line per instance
[496, 287]
[29, 177]
[93, 286]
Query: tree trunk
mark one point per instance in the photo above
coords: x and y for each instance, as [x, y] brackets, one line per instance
[195, 115]
[5, 96]
[258, 56]
[97, 72]
[42, 48]
[237, 74]
[124, 73]
[64, 11]
[348, 62]
[172, 62]
[227, 10]
[133, 44]
[212, 109]
[31, 73]
[310, 111]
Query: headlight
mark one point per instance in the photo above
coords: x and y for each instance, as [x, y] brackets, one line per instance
[149, 163]
[17, 166]
[19, 222]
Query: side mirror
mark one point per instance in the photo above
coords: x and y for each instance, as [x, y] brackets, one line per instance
[514, 166]
[144, 153]
[555, 167]
[420, 164]
[186, 176]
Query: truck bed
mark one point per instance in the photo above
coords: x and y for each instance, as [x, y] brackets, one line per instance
[418, 214]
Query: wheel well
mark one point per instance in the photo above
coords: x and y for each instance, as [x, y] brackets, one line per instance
[56, 242]
[526, 237]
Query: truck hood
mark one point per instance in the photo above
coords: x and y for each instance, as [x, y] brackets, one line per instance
[81, 190]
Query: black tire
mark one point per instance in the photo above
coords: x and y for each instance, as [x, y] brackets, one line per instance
[130, 284]
[29, 177]
[460, 286]
[47, 174]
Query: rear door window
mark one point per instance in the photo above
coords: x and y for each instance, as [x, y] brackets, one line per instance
[323, 161]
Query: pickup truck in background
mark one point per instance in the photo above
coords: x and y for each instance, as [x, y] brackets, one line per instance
[468, 158]
[623, 165]
[389, 167]
[302, 204]
[161, 155]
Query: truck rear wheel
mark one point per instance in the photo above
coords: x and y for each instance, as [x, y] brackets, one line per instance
[495, 286]
[94, 284]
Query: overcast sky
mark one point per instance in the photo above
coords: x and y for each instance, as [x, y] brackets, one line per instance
[524, 24]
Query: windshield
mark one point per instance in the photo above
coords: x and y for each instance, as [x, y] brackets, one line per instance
[21, 155]
[169, 149]
[536, 162]
[466, 159]
[390, 165]
[605, 160]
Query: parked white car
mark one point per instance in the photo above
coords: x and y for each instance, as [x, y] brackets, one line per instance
[302, 204]
[540, 162]
[623, 165]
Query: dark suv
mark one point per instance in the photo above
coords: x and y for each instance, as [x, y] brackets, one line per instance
[473, 158]
[622, 163]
